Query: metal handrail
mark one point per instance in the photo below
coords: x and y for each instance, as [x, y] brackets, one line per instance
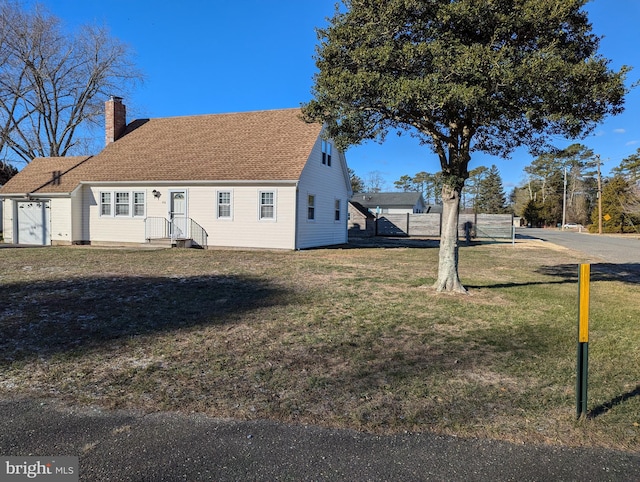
[198, 234]
[178, 228]
[156, 228]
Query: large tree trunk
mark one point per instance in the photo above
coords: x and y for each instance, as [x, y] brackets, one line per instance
[448, 279]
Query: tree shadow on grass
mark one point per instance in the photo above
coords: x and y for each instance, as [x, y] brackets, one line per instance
[356, 242]
[44, 318]
[625, 272]
[568, 273]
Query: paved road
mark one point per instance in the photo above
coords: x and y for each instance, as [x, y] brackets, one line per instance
[128, 446]
[612, 249]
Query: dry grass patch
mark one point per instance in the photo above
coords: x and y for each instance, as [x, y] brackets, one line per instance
[341, 338]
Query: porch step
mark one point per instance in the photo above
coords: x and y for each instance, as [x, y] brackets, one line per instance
[169, 243]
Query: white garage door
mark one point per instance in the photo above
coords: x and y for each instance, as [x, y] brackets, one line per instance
[33, 222]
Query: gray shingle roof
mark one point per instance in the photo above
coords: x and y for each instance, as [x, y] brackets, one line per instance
[387, 199]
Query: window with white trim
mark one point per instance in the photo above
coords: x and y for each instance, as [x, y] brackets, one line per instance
[311, 207]
[138, 204]
[337, 210]
[105, 204]
[326, 153]
[122, 203]
[224, 204]
[267, 205]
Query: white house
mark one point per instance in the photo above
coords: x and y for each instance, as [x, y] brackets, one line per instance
[261, 179]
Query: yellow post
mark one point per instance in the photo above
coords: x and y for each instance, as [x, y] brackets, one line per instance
[583, 308]
[582, 369]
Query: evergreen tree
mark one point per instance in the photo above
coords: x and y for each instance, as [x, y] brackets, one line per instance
[472, 186]
[405, 183]
[7, 171]
[424, 182]
[616, 194]
[551, 206]
[531, 214]
[491, 197]
[629, 167]
[357, 184]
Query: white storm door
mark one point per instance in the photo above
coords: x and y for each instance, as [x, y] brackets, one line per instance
[178, 214]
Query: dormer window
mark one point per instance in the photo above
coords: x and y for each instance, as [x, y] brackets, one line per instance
[326, 153]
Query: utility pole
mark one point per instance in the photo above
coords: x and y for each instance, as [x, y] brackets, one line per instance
[564, 199]
[599, 197]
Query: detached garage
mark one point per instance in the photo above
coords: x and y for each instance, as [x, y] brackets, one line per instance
[32, 222]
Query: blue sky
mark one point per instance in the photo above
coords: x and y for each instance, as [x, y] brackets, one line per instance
[213, 56]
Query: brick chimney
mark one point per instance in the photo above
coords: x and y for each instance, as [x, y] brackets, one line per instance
[115, 119]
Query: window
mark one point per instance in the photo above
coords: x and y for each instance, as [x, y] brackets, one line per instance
[326, 153]
[267, 205]
[311, 207]
[337, 210]
[224, 204]
[105, 204]
[138, 204]
[122, 204]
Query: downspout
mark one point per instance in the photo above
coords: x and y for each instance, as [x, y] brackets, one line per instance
[296, 221]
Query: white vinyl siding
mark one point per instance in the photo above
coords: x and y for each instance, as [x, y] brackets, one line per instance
[244, 229]
[331, 191]
[113, 228]
[61, 221]
[78, 229]
[7, 221]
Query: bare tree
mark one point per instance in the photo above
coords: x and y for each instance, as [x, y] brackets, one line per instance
[53, 82]
[375, 182]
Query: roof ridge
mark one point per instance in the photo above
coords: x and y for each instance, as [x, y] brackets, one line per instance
[217, 114]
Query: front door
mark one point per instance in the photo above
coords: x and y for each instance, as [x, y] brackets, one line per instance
[178, 214]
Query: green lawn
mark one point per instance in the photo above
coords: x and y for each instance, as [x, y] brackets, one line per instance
[335, 337]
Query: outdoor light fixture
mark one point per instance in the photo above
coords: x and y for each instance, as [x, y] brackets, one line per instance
[156, 193]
